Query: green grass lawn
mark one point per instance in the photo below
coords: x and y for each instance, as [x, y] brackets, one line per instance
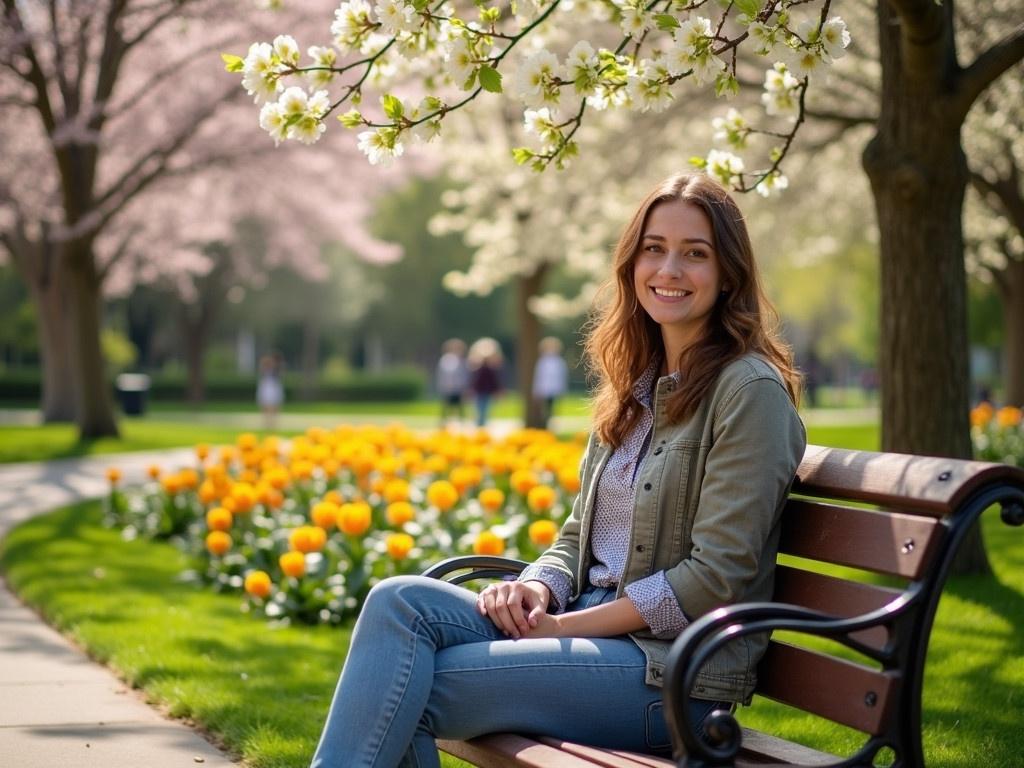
[173, 429]
[263, 691]
[59, 441]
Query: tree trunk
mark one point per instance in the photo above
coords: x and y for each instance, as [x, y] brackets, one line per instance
[918, 175]
[94, 410]
[38, 262]
[58, 395]
[1011, 292]
[310, 357]
[527, 287]
[195, 336]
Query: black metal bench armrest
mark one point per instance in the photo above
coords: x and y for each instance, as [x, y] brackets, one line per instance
[475, 567]
[701, 639]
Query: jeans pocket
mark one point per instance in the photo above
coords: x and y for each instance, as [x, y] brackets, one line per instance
[657, 738]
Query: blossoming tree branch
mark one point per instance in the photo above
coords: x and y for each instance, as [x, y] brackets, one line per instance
[661, 44]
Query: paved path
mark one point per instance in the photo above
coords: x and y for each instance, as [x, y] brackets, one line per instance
[58, 708]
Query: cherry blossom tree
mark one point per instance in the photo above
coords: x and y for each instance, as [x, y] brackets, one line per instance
[95, 115]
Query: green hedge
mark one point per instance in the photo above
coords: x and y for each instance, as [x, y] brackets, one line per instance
[398, 385]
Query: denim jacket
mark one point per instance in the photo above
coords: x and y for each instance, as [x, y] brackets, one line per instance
[709, 495]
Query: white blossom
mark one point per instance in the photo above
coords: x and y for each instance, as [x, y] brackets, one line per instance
[318, 104]
[259, 73]
[380, 146]
[322, 57]
[635, 21]
[724, 166]
[648, 89]
[535, 79]
[308, 129]
[835, 37]
[694, 34]
[293, 102]
[780, 95]
[731, 128]
[706, 66]
[287, 49]
[770, 183]
[352, 19]
[803, 61]
[396, 16]
[273, 121]
[581, 68]
[460, 60]
[765, 38]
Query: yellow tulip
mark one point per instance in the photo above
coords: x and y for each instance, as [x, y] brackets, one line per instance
[399, 545]
[293, 564]
[442, 494]
[488, 543]
[354, 518]
[258, 584]
[491, 499]
[398, 513]
[543, 532]
[219, 519]
[218, 542]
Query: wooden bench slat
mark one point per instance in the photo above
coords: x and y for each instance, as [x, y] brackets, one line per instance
[763, 749]
[500, 750]
[607, 758]
[830, 687]
[884, 542]
[836, 596]
[929, 485]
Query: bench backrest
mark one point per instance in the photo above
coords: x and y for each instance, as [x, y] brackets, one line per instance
[897, 519]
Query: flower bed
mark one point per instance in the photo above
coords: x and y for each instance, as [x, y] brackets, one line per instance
[303, 529]
[998, 434]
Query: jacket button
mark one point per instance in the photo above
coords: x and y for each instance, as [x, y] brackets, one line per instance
[647, 486]
[639, 547]
[657, 451]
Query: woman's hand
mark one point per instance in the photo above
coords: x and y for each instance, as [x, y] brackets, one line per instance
[515, 607]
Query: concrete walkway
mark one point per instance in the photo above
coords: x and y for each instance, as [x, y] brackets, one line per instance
[57, 707]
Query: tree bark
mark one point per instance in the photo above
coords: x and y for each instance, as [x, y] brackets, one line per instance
[94, 410]
[528, 286]
[195, 335]
[38, 262]
[310, 356]
[1011, 291]
[918, 175]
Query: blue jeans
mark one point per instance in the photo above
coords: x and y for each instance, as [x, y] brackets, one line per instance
[424, 664]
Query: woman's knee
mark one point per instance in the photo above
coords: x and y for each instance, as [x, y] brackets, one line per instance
[399, 591]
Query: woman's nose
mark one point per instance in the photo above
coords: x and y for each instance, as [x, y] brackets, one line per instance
[671, 265]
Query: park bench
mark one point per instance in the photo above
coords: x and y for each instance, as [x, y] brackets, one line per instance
[897, 515]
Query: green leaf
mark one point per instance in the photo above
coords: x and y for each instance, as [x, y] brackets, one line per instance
[490, 79]
[392, 106]
[726, 85]
[522, 155]
[698, 162]
[351, 119]
[233, 63]
[666, 22]
[749, 7]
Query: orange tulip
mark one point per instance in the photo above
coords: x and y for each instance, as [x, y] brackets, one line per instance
[488, 543]
[543, 532]
[293, 564]
[399, 545]
[399, 513]
[354, 518]
[307, 538]
[219, 519]
[325, 514]
[442, 495]
[218, 542]
[541, 498]
[113, 475]
[258, 584]
[491, 499]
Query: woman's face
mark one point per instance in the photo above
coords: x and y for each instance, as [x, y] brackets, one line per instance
[676, 273]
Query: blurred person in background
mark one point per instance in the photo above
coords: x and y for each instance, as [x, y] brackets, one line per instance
[550, 377]
[452, 379]
[270, 389]
[485, 366]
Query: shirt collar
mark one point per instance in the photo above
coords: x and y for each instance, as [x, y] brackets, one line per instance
[644, 386]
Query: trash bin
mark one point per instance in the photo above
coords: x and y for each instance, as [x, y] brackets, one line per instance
[131, 392]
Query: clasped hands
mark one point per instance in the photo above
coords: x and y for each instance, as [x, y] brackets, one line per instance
[519, 609]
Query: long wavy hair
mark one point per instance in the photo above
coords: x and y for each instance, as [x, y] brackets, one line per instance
[623, 339]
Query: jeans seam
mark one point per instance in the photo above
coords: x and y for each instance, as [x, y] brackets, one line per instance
[404, 687]
[537, 665]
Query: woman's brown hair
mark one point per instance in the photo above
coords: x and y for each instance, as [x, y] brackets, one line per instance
[623, 339]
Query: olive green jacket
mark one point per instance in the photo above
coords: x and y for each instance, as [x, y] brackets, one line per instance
[709, 494]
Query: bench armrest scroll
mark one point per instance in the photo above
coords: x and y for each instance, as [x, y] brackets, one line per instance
[701, 639]
[475, 567]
